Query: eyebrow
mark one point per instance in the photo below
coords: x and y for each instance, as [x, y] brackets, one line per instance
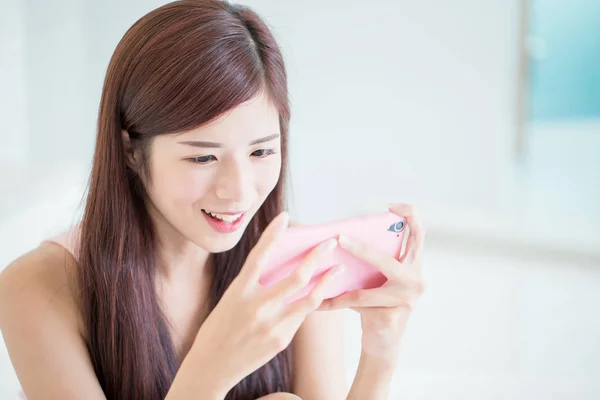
[201, 143]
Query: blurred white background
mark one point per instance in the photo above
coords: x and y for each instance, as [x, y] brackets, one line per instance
[433, 103]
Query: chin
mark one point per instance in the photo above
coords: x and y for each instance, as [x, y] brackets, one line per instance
[219, 243]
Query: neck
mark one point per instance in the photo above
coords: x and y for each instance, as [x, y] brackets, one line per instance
[179, 260]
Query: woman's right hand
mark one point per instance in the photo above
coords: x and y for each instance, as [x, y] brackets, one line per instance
[252, 323]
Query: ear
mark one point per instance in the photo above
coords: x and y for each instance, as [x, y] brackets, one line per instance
[131, 155]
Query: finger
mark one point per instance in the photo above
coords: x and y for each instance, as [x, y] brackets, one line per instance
[313, 300]
[363, 298]
[303, 274]
[259, 255]
[416, 239]
[384, 262]
[410, 243]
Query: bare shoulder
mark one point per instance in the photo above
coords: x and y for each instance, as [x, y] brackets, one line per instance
[45, 275]
[41, 324]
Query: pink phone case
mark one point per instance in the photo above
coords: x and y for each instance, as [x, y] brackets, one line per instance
[384, 231]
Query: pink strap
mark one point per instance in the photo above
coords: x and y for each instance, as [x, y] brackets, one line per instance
[68, 239]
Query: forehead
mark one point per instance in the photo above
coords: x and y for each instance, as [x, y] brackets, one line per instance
[253, 119]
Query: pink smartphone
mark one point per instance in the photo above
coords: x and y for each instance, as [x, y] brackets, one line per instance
[384, 231]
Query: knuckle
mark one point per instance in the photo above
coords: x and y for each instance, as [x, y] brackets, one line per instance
[276, 340]
[266, 329]
[261, 314]
[419, 287]
[357, 296]
[313, 300]
[388, 318]
[300, 278]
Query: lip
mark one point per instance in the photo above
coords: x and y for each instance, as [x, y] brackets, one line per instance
[225, 227]
[225, 213]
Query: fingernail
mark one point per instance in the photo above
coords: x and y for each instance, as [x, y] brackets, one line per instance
[329, 244]
[345, 240]
[338, 269]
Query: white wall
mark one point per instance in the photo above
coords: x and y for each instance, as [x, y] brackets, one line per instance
[402, 101]
[56, 74]
[13, 85]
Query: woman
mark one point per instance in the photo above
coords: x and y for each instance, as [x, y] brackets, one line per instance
[154, 293]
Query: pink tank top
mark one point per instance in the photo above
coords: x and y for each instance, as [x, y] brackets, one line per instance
[68, 239]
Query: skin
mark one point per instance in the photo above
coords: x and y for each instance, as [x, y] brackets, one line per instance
[185, 179]
[42, 326]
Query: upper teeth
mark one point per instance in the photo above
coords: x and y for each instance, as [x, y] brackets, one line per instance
[225, 217]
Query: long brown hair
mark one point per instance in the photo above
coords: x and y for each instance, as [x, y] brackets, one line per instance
[177, 68]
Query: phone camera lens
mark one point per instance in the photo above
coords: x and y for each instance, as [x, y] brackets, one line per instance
[397, 227]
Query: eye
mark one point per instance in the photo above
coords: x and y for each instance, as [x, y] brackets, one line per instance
[262, 153]
[203, 159]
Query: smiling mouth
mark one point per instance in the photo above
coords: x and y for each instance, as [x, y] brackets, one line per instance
[224, 217]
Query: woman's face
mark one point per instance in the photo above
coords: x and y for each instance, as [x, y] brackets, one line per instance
[208, 183]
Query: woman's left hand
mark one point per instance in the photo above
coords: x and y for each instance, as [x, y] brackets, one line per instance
[385, 310]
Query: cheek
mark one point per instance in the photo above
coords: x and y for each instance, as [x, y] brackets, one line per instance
[267, 176]
[190, 185]
[180, 186]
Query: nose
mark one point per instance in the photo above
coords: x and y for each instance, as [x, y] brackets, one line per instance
[233, 181]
